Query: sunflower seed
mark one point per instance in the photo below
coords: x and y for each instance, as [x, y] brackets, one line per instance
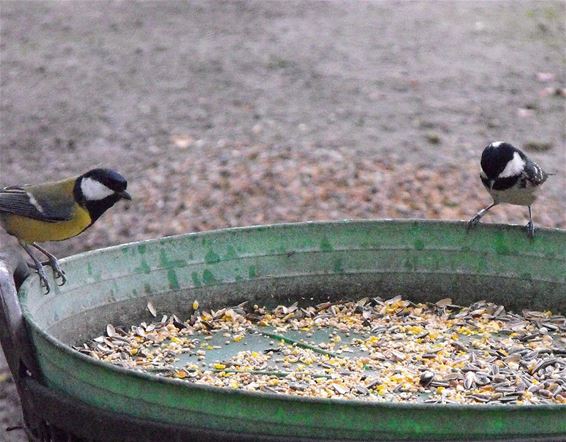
[469, 380]
[426, 378]
[110, 331]
[151, 309]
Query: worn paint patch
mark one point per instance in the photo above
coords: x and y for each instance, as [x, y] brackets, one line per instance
[211, 257]
[419, 244]
[172, 278]
[208, 277]
[141, 249]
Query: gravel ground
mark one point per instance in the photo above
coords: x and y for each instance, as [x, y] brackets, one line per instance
[235, 113]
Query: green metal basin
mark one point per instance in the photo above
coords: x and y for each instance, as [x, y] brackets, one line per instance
[308, 262]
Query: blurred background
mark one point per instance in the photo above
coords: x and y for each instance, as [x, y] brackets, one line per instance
[242, 112]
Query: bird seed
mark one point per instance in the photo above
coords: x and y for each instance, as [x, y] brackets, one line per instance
[372, 350]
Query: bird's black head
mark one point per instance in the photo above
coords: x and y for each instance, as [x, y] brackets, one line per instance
[99, 189]
[498, 156]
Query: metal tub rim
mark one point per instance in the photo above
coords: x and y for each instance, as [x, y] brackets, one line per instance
[285, 397]
[280, 264]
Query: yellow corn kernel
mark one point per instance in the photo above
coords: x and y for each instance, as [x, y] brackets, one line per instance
[180, 374]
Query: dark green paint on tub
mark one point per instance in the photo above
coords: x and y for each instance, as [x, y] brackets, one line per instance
[252, 272]
[167, 263]
[325, 245]
[338, 267]
[231, 252]
[501, 246]
[208, 277]
[196, 279]
[143, 267]
[419, 244]
[173, 281]
[211, 257]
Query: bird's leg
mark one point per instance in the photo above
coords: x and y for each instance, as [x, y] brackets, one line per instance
[53, 263]
[476, 219]
[38, 266]
[530, 225]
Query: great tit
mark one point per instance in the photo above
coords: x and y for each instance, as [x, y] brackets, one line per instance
[510, 177]
[57, 211]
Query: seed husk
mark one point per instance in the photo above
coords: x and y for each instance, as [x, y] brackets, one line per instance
[152, 309]
[110, 331]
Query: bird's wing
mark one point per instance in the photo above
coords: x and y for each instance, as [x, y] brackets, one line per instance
[48, 202]
[533, 175]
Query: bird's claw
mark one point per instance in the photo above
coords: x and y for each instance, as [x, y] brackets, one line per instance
[530, 230]
[473, 222]
[58, 272]
[43, 278]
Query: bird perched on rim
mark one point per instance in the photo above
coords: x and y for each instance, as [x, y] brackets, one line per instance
[59, 210]
[510, 177]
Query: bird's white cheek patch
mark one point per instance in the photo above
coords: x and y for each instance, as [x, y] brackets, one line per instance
[496, 143]
[514, 167]
[94, 190]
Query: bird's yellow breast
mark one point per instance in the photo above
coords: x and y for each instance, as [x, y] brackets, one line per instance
[32, 230]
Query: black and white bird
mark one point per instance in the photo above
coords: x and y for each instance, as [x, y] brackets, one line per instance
[510, 177]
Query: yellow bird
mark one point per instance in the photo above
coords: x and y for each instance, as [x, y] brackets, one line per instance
[58, 210]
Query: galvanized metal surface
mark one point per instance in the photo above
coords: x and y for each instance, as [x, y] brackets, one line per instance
[280, 264]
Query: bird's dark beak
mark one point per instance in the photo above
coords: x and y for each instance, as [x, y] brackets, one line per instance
[125, 195]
